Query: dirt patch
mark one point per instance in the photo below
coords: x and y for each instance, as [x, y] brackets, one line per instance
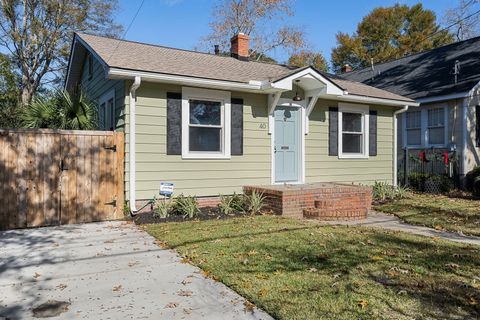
[51, 308]
[208, 213]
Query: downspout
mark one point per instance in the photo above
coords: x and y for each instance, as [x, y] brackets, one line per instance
[132, 160]
[395, 139]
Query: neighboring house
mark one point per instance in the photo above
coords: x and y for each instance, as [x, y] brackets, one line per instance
[445, 81]
[212, 124]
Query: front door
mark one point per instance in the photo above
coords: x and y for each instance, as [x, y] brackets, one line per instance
[287, 144]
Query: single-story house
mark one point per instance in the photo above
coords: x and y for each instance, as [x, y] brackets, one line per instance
[211, 124]
[446, 83]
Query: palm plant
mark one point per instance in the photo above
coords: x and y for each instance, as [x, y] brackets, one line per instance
[63, 110]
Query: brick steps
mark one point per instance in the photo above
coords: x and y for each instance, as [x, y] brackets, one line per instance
[322, 201]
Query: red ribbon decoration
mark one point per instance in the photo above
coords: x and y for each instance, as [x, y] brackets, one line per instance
[445, 158]
[422, 156]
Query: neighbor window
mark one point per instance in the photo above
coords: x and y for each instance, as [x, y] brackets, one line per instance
[205, 123]
[353, 125]
[90, 66]
[414, 128]
[426, 127]
[436, 126]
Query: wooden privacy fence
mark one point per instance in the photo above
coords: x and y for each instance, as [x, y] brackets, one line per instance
[52, 177]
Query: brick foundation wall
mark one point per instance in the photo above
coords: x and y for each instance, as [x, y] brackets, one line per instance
[202, 203]
[322, 201]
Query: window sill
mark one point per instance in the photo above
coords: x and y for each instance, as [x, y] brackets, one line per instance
[196, 156]
[353, 156]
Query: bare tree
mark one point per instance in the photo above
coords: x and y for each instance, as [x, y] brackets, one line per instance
[465, 23]
[254, 18]
[37, 33]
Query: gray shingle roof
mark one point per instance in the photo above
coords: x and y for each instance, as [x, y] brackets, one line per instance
[158, 59]
[426, 74]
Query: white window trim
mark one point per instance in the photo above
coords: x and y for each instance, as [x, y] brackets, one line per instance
[224, 98]
[364, 111]
[104, 99]
[424, 129]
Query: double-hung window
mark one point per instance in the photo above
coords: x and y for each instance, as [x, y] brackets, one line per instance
[106, 111]
[413, 126]
[436, 126]
[426, 127]
[205, 124]
[353, 131]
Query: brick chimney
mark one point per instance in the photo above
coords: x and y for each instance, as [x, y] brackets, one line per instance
[346, 68]
[239, 46]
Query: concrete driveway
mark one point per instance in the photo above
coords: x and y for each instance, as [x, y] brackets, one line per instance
[108, 270]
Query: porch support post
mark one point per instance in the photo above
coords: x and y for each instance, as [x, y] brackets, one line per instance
[313, 95]
[272, 104]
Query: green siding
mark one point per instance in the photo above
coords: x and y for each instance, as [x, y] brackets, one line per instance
[213, 177]
[320, 167]
[99, 85]
[196, 177]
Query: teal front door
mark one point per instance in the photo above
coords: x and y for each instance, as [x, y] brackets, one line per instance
[287, 144]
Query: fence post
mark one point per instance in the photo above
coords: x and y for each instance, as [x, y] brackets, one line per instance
[405, 166]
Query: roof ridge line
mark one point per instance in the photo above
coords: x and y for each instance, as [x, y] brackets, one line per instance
[417, 53]
[180, 49]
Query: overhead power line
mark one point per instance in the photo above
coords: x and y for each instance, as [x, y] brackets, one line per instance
[126, 30]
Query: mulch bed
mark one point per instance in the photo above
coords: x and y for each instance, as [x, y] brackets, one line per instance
[208, 213]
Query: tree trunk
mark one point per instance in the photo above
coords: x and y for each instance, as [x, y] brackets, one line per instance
[27, 93]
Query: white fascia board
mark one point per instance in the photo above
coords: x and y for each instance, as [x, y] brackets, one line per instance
[380, 101]
[443, 98]
[115, 73]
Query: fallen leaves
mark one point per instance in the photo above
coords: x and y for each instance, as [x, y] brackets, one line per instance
[362, 303]
[249, 306]
[61, 286]
[172, 305]
[262, 292]
[117, 288]
[185, 293]
[37, 275]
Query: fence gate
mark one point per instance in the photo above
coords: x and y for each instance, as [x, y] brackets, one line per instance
[52, 177]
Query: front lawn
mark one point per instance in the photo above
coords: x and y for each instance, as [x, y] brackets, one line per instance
[297, 269]
[437, 211]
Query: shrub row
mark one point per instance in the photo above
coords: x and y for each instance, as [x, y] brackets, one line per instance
[187, 206]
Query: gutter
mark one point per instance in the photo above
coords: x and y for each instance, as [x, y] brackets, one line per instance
[395, 139]
[132, 158]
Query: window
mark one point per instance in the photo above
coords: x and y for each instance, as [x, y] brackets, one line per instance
[436, 126]
[106, 111]
[414, 128]
[205, 128]
[90, 66]
[353, 126]
[205, 123]
[426, 127]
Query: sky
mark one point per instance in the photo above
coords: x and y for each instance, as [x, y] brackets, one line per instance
[182, 23]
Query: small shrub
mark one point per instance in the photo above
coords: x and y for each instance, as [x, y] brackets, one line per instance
[255, 202]
[231, 204]
[162, 208]
[186, 206]
[382, 192]
[471, 181]
[402, 192]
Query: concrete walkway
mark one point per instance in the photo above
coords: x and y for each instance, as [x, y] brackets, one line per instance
[391, 222]
[110, 270]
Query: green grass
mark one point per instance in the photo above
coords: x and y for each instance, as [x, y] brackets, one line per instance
[297, 269]
[458, 214]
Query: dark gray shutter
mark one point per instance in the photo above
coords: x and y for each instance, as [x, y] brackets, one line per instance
[174, 123]
[372, 135]
[237, 127]
[477, 125]
[333, 131]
